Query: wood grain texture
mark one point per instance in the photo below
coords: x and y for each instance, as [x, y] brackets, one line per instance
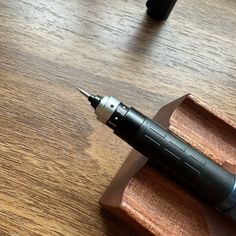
[56, 158]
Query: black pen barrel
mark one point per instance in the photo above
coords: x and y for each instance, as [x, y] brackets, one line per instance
[203, 175]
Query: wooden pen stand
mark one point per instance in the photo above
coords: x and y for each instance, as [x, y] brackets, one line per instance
[154, 203]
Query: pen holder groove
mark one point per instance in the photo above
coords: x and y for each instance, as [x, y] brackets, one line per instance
[154, 203]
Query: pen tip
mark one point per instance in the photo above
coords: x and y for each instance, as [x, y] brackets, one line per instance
[87, 95]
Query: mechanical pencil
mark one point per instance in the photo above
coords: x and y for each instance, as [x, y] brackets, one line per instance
[215, 184]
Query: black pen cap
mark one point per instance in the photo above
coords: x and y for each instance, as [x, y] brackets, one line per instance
[160, 9]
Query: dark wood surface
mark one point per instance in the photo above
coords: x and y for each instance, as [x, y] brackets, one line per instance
[56, 158]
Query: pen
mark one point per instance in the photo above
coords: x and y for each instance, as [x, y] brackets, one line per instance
[215, 184]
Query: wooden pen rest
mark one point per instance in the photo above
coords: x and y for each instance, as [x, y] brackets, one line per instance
[154, 203]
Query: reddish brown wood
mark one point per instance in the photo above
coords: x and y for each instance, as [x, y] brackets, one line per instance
[154, 203]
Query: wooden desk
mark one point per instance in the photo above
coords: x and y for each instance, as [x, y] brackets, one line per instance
[56, 158]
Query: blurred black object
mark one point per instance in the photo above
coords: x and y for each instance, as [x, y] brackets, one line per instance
[160, 9]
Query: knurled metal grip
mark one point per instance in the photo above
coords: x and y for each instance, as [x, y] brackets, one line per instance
[106, 108]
